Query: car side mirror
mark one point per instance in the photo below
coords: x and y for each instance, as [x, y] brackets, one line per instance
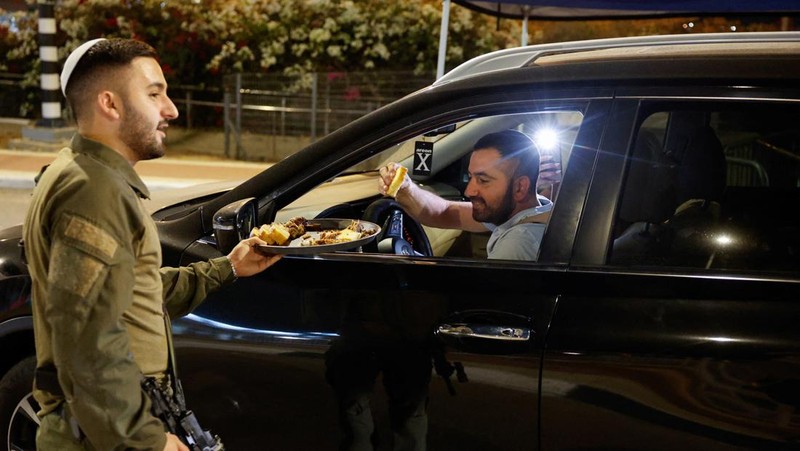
[233, 223]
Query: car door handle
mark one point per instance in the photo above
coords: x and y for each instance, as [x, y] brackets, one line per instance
[503, 333]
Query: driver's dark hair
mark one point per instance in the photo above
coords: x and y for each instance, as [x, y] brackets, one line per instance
[96, 63]
[512, 144]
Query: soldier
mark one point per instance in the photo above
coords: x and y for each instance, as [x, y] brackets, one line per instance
[99, 297]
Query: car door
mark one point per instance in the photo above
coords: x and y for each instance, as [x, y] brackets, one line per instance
[678, 327]
[260, 360]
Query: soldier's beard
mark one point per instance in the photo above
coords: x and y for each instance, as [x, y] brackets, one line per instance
[140, 136]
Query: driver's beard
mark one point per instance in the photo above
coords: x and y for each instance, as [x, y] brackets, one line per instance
[497, 215]
[140, 138]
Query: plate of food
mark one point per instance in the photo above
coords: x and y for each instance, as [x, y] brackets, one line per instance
[300, 236]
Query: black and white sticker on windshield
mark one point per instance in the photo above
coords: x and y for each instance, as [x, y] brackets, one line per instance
[423, 158]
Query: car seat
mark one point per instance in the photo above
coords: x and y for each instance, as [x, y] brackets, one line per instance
[647, 202]
[671, 200]
[700, 182]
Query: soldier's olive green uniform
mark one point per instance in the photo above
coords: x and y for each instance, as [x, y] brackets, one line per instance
[99, 296]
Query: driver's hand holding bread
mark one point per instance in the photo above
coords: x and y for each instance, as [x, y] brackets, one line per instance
[393, 178]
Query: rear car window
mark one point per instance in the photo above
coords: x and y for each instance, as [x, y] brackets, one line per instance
[712, 186]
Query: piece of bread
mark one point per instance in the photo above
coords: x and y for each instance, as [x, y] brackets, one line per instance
[279, 234]
[262, 232]
[265, 233]
[399, 176]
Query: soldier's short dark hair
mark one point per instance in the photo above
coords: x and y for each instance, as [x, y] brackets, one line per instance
[101, 58]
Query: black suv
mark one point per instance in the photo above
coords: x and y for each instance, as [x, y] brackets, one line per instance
[663, 311]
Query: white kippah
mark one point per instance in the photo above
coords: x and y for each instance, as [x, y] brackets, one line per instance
[72, 61]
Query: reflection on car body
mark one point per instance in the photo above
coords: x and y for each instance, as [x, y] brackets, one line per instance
[661, 313]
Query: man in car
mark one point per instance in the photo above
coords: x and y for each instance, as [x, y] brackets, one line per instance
[99, 298]
[503, 169]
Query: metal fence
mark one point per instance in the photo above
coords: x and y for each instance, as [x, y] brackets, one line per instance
[274, 107]
[310, 106]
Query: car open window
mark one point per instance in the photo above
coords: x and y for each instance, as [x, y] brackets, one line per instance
[712, 186]
[554, 131]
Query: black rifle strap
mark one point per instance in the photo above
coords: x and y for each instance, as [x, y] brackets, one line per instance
[172, 368]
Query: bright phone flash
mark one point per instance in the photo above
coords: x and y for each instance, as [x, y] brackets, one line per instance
[546, 139]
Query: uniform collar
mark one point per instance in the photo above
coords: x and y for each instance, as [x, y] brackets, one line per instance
[112, 159]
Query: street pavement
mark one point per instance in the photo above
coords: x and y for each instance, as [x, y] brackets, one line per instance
[19, 167]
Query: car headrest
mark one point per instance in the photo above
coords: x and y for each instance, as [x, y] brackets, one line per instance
[702, 171]
[649, 194]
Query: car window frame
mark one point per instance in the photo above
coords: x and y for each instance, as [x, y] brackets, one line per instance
[590, 104]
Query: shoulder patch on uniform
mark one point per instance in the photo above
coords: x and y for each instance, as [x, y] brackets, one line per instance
[73, 271]
[85, 232]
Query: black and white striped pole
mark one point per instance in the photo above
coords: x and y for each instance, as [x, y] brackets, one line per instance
[50, 132]
[48, 56]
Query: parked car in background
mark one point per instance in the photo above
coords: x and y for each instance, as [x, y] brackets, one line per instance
[662, 312]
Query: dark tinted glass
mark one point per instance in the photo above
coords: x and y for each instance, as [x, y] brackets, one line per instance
[713, 186]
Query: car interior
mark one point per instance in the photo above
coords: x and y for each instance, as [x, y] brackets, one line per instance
[355, 190]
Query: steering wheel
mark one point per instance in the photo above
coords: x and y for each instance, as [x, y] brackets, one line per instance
[400, 233]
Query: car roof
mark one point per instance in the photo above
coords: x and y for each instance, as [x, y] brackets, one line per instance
[721, 45]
